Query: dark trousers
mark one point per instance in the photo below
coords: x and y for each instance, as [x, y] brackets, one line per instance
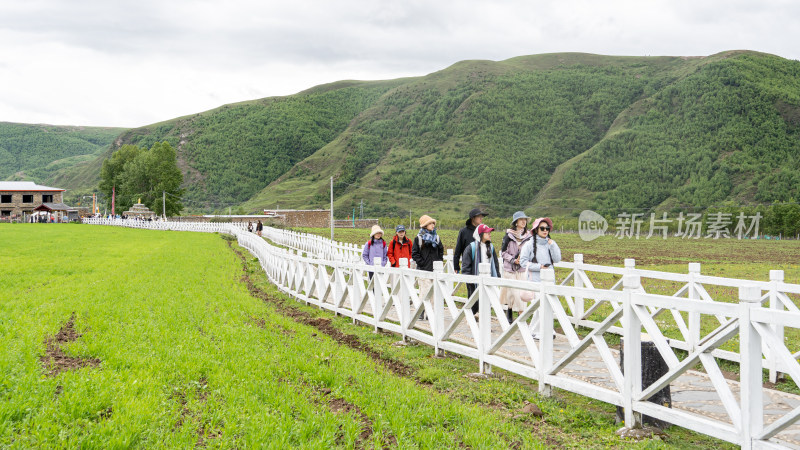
[470, 289]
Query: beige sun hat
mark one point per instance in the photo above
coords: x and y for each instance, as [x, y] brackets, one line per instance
[375, 230]
[425, 220]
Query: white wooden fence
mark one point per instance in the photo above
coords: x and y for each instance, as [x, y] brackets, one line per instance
[332, 276]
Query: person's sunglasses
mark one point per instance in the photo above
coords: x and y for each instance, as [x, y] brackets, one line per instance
[544, 228]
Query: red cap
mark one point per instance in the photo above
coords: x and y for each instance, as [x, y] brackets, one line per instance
[484, 229]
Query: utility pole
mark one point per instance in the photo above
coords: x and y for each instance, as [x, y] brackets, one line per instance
[331, 208]
[361, 213]
[164, 204]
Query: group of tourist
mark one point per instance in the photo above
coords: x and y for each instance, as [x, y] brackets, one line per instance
[524, 252]
[259, 227]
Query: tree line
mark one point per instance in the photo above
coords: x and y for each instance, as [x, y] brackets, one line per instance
[139, 173]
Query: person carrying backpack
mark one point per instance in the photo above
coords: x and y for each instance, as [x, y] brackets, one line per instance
[375, 248]
[465, 237]
[540, 252]
[510, 249]
[400, 247]
[427, 249]
[480, 250]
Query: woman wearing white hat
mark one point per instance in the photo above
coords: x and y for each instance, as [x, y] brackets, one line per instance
[375, 248]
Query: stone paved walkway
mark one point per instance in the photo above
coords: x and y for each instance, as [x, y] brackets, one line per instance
[692, 391]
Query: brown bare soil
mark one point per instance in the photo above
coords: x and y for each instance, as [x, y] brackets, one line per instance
[322, 324]
[204, 429]
[340, 405]
[54, 360]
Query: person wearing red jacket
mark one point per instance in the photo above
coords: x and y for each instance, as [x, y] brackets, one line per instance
[399, 247]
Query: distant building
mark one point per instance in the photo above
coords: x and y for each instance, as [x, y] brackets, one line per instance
[315, 218]
[19, 199]
[58, 211]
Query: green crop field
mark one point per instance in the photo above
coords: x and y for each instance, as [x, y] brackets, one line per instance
[119, 338]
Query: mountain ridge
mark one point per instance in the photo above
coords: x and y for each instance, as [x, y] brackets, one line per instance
[554, 132]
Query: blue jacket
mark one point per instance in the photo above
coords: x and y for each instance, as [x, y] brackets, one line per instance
[544, 252]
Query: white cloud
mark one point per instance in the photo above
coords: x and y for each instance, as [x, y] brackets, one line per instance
[131, 63]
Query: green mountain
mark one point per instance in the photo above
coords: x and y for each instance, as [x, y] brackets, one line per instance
[559, 133]
[728, 132]
[552, 133]
[231, 153]
[55, 155]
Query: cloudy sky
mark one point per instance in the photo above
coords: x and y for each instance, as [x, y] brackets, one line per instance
[131, 63]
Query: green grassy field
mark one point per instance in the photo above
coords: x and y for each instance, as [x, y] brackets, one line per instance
[168, 348]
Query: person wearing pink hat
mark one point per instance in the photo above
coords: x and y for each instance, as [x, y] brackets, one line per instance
[480, 250]
[538, 253]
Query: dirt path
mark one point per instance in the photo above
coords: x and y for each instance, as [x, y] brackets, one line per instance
[54, 360]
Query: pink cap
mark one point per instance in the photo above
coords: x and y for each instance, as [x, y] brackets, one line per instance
[484, 229]
[539, 220]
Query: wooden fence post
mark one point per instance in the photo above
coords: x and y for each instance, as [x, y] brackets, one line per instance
[436, 317]
[632, 336]
[403, 304]
[750, 369]
[775, 277]
[577, 281]
[485, 318]
[377, 292]
[548, 277]
[694, 317]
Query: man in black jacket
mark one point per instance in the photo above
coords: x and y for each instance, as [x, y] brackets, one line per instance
[465, 237]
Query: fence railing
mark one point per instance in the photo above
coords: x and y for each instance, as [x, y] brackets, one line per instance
[426, 306]
[586, 311]
[206, 227]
